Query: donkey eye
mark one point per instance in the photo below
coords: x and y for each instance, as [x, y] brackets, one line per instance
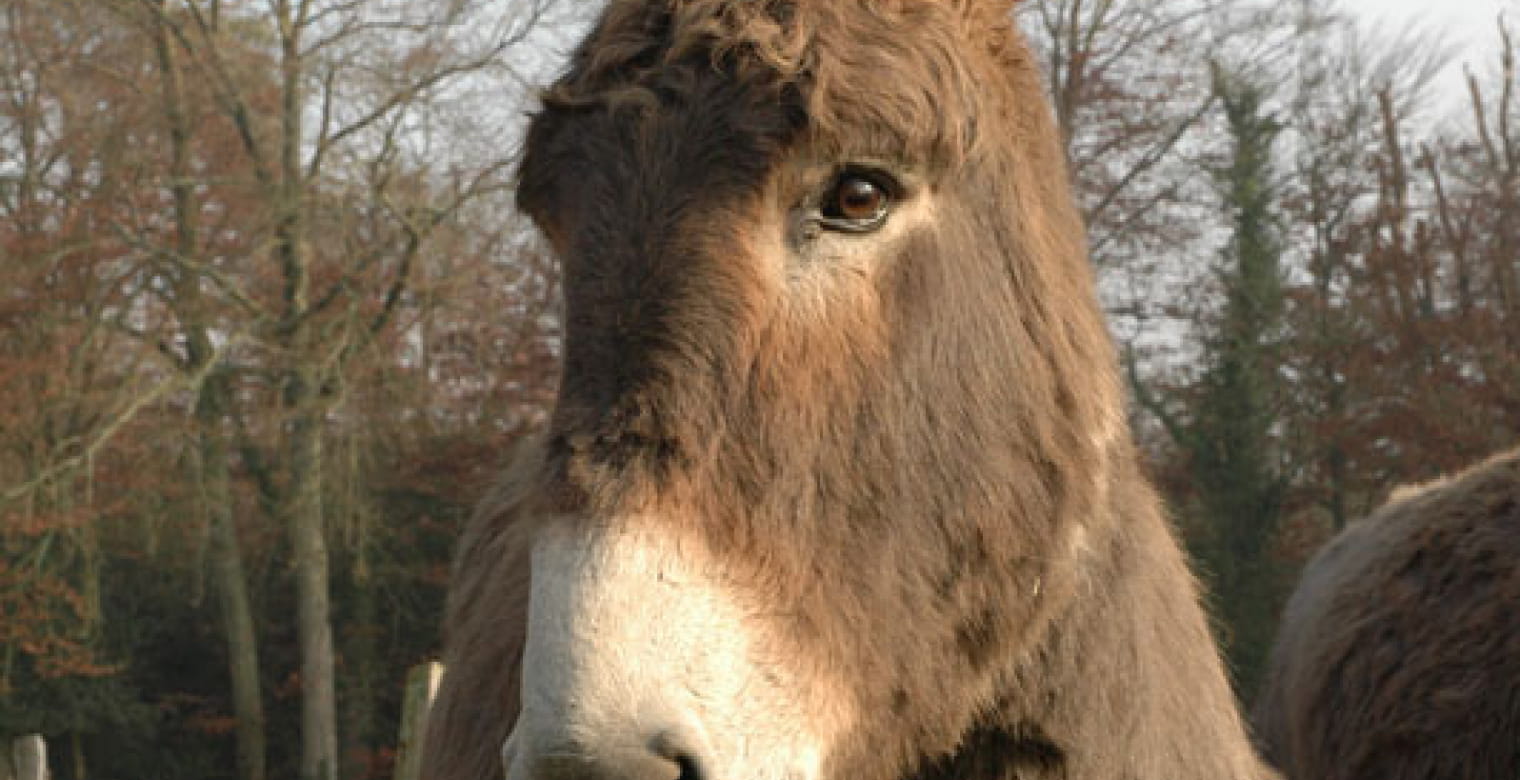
[856, 203]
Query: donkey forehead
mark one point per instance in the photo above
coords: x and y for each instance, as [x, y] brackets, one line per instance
[884, 80]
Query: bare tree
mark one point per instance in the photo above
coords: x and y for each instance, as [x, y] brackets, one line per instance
[69, 384]
[334, 112]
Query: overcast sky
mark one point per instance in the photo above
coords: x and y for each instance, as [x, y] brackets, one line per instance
[1468, 25]
[1466, 19]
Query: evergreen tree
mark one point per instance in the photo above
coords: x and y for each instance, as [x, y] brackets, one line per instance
[1224, 423]
[1230, 440]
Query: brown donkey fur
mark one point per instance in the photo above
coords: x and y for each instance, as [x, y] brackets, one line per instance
[918, 457]
[1399, 653]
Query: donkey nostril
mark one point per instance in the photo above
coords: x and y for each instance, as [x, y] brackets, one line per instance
[691, 768]
[672, 754]
[682, 751]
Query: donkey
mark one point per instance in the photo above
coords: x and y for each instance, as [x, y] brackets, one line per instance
[838, 483]
[1398, 657]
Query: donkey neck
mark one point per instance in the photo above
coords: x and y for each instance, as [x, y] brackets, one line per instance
[1127, 685]
[1133, 680]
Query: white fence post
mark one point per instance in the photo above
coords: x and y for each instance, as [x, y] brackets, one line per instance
[421, 687]
[28, 758]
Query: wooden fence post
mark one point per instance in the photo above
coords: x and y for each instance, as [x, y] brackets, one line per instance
[421, 687]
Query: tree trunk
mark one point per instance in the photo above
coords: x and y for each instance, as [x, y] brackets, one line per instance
[211, 410]
[77, 749]
[242, 642]
[319, 738]
[364, 670]
[232, 588]
[306, 518]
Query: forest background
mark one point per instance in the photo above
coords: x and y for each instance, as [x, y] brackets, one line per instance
[270, 324]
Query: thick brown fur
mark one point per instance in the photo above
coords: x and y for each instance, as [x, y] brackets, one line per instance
[1399, 653]
[920, 461]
